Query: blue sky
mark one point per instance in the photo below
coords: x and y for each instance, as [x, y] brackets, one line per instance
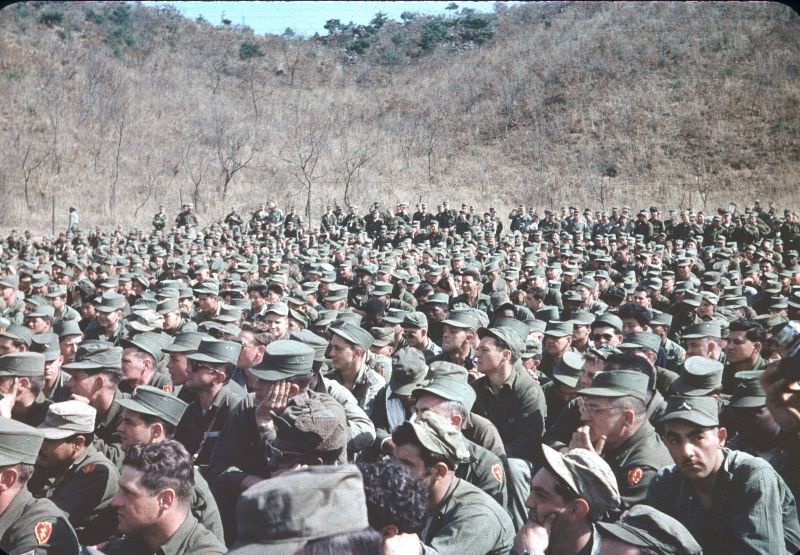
[307, 18]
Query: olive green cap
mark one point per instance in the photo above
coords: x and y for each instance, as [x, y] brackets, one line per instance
[148, 342]
[18, 333]
[47, 344]
[67, 328]
[703, 411]
[19, 443]
[279, 515]
[25, 364]
[702, 329]
[284, 359]
[618, 383]
[608, 320]
[557, 328]
[522, 329]
[68, 418]
[208, 287]
[96, 355]
[588, 475]
[747, 390]
[281, 309]
[533, 349]
[381, 289]
[319, 344]
[416, 320]
[109, 302]
[640, 340]
[186, 342]
[461, 319]
[508, 336]
[701, 376]
[645, 526]
[439, 436]
[216, 351]
[408, 371]
[354, 334]
[569, 369]
[382, 336]
[155, 402]
[313, 423]
[168, 306]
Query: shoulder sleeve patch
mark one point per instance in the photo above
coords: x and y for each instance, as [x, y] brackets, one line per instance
[88, 469]
[634, 476]
[497, 472]
[167, 388]
[42, 531]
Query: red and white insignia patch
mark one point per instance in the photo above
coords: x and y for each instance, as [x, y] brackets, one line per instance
[42, 531]
[88, 469]
[167, 388]
[497, 472]
[634, 476]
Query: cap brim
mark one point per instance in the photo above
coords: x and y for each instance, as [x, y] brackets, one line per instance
[83, 365]
[57, 433]
[557, 333]
[136, 406]
[694, 417]
[200, 357]
[603, 392]
[569, 381]
[177, 349]
[622, 533]
[555, 463]
[272, 375]
[747, 402]
[456, 324]
[407, 389]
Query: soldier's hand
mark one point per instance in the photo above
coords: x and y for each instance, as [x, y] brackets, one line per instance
[402, 544]
[581, 439]
[276, 398]
[534, 536]
[783, 397]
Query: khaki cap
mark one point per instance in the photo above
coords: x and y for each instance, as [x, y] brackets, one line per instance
[68, 418]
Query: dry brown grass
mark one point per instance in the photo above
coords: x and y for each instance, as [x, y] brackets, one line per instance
[595, 104]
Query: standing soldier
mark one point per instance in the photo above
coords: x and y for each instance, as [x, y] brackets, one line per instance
[159, 219]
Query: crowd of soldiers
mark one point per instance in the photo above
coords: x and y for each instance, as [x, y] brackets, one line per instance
[578, 382]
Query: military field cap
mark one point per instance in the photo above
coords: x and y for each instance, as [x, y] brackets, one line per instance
[284, 359]
[464, 319]
[336, 293]
[311, 423]
[702, 329]
[47, 344]
[279, 515]
[155, 402]
[438, 298]
[517, 326]
[636, 340]
[382, 336]
[216, 351]
[747, 389]
[588, 476]
[281, 309]
[618, 383]
[228, 314]
[381, 288]
[408, 371]
[145, 320]
[347, 317]
[354, 334]
[392, 316]
[96, 355]
[317, 343]
[9, 281]
[185, 342]
[536, 325]
[168, 306]
[18, 333]
[148, 342]
[533, 349]
[448, 381]
[109, 302]
[692, 298]
[661, 319]
[24, 364]
[703, 411]
[68, 418]
[439, 436]
[645, 526]
[19, 443]
[416, 320]
[582, 318]
[41, 311]
[508, 336]
[557, 328]
[208, 287]
[701, 376]
[569, 370]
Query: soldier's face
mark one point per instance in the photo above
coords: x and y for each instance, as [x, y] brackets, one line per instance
[739, 348]
[415, 337]
[342, 353]
[603, 418]
[136, 507]
[178, 366]
[489, 356]
[453, 338]
[544, 502]
[278, 325]
[8, 345]
[696, 450]
[133, 429]
[57, 453]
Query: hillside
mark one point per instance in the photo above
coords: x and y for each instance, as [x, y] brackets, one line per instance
[116, 108]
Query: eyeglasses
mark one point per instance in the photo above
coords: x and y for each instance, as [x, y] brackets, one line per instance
[199, 366]
[587, 407]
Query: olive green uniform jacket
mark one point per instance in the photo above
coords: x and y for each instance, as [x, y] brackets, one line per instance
[36, 526]
[190, 539]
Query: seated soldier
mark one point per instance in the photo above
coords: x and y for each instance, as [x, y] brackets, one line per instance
[730, 501]
[28, 525]
[153, 504]
[75, 476]
[151, 416]
[461, 518]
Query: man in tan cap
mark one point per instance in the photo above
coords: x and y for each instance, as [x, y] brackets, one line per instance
[28, 525]
[462, 518]
[73, 474]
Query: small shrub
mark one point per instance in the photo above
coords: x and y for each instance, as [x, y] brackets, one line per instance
[51, 18]
[249, 50]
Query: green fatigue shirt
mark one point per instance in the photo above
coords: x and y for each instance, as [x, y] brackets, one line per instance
[468, 522]
[431, 351]
[94, 331]
[484, 470]
[204, 507]
[34, 414]
[200, 430]
[159, 379]
[191, 538]
[635, 462]
[728, 375]
[518, 410]
[36, 526]
[106, 438]
[481, 430]
[16, 312]
[664, 379]
[84, 491]
[60, 391]
[675, 355]
[482, 302]
[752, 509]
[367, 384]
[361, 428]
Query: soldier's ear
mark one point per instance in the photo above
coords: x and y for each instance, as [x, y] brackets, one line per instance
[166, 499]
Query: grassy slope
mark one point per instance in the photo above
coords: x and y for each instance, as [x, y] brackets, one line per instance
[592, 104]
